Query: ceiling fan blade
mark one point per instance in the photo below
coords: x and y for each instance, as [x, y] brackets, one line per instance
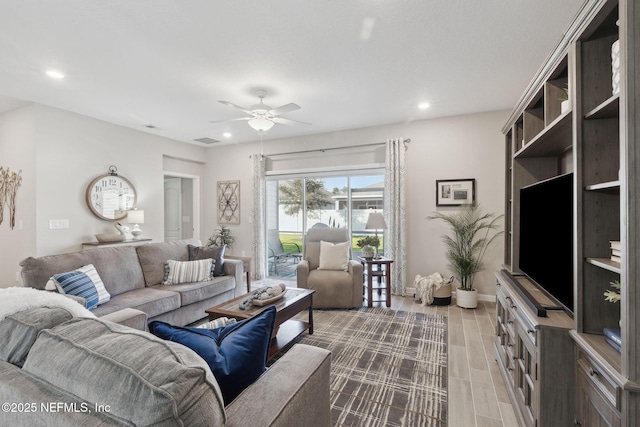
[284, 109]
[232, 120]
[232, 105]
[283, 121]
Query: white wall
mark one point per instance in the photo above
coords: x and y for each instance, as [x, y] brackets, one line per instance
[62, 153]
[17, 152]
[469, 146]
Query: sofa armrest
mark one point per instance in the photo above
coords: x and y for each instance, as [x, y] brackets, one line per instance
[357, 273]
[293, 392]
[130, 317]
[234, 267]
[302, 273]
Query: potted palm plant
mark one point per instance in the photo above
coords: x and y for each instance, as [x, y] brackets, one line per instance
[472, 233]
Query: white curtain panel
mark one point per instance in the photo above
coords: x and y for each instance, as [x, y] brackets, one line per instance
[394, 211]
[257, 215]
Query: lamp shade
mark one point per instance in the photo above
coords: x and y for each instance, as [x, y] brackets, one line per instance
[375, 222]
[261, 124]
[135, 217]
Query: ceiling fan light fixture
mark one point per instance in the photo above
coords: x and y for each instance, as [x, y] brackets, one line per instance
[261, 124]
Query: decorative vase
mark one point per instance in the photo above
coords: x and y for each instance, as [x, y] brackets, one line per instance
[367, 251]
[564, 106]
[466, 299]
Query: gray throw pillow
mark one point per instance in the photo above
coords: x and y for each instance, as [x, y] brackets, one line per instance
[216, 253]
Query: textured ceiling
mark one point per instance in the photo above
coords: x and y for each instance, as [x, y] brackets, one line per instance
[348, 64]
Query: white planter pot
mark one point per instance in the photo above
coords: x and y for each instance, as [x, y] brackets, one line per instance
[467, 299]
[564, 106]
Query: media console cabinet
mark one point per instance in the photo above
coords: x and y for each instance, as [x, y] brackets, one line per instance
[559, 370]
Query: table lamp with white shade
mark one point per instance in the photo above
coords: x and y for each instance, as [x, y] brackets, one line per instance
[136, 217]
[376, 222]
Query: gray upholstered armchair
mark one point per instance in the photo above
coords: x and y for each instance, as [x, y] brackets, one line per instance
[334, 288]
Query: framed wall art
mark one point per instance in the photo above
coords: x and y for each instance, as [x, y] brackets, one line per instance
[228, 202]
[455, 192]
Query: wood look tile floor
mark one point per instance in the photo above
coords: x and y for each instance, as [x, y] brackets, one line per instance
[477, 395]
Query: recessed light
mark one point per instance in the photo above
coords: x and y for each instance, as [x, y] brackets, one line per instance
[424, 105]
[227, 134]
[55, 74]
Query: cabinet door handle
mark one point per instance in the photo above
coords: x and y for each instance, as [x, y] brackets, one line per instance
[593, 372]
[531, 331]
[510, 322]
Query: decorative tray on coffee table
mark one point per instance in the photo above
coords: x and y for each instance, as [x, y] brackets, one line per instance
[263, 302]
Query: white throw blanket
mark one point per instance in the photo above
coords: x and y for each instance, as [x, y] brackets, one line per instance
[426, 286]
[16, 299]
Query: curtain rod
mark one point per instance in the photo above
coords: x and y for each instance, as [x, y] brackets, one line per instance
[322, 150]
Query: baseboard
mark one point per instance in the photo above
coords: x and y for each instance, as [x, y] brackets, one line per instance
[481, 297]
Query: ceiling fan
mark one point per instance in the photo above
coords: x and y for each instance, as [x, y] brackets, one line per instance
[261, 116]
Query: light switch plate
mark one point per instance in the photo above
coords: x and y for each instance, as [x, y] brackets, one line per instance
[57, 224]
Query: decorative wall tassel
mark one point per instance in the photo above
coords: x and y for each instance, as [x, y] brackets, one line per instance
[10, 182]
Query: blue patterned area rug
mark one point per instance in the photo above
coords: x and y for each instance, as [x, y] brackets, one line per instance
[388, 367]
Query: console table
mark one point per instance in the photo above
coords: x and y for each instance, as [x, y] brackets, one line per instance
[383, 274]
[94, 245]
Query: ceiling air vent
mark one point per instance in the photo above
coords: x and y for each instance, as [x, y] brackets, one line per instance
[206, 140]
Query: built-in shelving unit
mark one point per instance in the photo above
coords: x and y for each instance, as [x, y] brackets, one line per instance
[595, 138]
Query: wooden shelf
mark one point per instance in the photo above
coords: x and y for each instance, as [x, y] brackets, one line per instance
[552, 140]
[606, 355]
[610, 186]
[609, 109]
[605, 263]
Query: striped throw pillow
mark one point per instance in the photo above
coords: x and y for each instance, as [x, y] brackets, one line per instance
[79, 284]
[90, 271]
[177, 272]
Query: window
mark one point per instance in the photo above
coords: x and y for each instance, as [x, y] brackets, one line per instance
[296, 203]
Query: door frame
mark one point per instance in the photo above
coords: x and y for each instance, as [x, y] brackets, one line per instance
[196, 198]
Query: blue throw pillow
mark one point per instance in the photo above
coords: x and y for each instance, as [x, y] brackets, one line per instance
[237, 354]
[79, 284]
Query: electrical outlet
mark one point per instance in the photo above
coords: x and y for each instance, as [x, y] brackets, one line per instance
[18, 278]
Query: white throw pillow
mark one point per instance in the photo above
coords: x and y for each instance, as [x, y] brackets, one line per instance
[334, 256]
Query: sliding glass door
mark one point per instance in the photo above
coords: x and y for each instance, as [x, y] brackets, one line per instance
[297, 203]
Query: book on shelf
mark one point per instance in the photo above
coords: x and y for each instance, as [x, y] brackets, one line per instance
[616, 252]
[615, 244]
[615, 258]
[612, 336]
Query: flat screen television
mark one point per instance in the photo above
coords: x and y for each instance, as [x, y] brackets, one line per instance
[546, 237]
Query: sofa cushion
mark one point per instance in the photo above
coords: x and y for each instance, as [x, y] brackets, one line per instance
[334, 256]
[144, 380]
[152, 301]
[193, 292]
[236, 354]
[214, 252]
[127, 276]
[19, 331]
[153, 256]
[176, 272]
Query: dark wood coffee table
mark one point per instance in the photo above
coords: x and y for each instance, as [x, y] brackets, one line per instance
[286, 329]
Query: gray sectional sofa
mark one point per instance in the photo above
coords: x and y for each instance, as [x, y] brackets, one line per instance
[133, 276]
[56, 370]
